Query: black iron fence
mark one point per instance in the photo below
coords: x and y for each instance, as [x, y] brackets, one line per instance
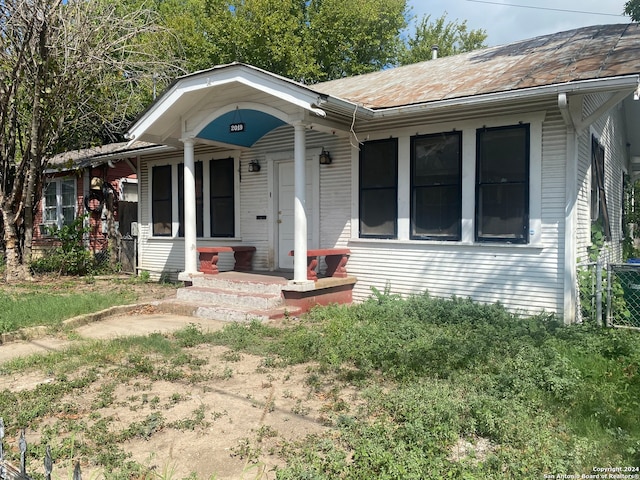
[10, 472]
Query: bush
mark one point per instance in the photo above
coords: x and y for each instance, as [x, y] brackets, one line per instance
[71, 256]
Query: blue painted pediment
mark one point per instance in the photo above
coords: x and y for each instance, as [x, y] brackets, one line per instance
[226, 129]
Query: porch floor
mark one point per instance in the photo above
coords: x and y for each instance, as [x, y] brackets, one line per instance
[277, 277]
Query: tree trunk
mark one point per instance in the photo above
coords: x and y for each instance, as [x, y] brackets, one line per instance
[34, 177]
[15, 271]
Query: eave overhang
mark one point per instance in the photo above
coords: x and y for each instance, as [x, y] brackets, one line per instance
[627, 83]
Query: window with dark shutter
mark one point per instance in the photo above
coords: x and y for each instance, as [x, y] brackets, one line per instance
[161, 200]
[379, 189]
[436, 186]
[502, 184]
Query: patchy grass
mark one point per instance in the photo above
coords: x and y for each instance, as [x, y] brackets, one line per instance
[539, 397]
[417, 388]
[48, 301]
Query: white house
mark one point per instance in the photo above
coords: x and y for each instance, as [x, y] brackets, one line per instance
[473, 175]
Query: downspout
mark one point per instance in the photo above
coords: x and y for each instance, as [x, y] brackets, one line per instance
[570, 211]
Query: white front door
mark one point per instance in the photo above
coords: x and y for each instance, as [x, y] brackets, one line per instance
[284, 208]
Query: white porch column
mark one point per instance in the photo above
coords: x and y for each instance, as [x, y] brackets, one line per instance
[190, 253]
[300, 214]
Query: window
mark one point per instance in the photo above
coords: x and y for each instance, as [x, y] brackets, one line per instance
[129, 190]
[221, 181]
[221, 178]
[59, 202]
[599, 211]
[161, 200]
[379, 189]
[436, 186]
[502, 184]
[199, 202]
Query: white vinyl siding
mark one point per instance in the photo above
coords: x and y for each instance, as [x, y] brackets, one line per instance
[608, 130]
[526, 278]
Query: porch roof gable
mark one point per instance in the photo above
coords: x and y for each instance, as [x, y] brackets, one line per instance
[193, 102]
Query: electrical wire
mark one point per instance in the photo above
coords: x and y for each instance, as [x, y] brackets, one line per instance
[546, 8]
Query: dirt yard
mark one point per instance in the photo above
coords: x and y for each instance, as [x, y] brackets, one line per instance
[231, 415]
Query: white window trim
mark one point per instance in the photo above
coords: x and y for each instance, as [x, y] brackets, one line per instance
[468, 128]
[122, 182]
[59, 217]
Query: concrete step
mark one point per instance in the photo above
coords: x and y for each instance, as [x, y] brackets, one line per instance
[245, 283]
[225, 312]
[230, 297]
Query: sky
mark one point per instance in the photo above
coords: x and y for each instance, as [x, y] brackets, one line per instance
[506, 21]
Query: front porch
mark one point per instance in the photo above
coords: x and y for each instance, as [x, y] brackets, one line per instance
[244, 296]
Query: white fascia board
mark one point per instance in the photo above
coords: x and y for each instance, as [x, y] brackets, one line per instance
[262, 81]
[152, 115]
[294, 94]
[582, 86]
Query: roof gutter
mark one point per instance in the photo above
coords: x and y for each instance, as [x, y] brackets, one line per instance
[583, 86]
[347, 107]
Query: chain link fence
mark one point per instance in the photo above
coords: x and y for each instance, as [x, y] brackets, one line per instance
[609, 294]
[623, 287]
[125, 256]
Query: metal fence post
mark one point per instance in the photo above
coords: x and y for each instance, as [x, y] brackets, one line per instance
[22, 443]
[2, 469]
[48, 463]
[77, 474]
[609, 295]
[599, 293]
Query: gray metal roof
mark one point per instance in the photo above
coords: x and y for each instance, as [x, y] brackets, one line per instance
[595, 52]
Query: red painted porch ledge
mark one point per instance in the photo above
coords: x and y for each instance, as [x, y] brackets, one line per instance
[335, 258]
[243, 255]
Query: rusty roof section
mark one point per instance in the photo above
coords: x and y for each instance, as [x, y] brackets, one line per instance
[587, 53]
[95, 155]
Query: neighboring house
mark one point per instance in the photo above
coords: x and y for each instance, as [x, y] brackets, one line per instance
[75, 185]
[477, 175]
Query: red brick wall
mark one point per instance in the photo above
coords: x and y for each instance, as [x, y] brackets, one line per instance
[97, 239]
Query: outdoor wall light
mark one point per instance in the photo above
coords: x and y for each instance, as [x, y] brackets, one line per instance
[254, 166]
[325, 157]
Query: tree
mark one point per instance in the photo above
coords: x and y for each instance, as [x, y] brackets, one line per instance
[450, 37]
[71, 73]
[351, 38]
[632, 8]
[306, 40]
